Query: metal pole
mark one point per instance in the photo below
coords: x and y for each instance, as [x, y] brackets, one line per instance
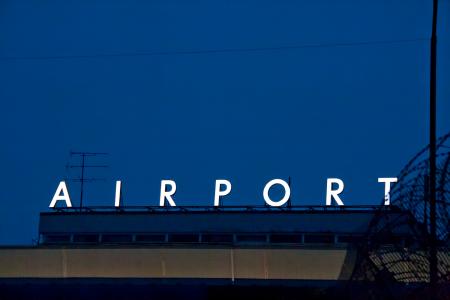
[432, 158]
[82, 180]
[289, 200]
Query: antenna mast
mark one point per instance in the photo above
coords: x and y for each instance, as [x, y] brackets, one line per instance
[82, 179]
[432, 159]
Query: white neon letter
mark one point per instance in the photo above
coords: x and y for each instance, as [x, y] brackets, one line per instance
[118, 191]
[167, 194]
[387, 188]
[334, 193]
[218, 192]
[287, 192]
[65, 195]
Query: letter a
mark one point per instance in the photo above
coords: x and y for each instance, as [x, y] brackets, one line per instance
[58, 197]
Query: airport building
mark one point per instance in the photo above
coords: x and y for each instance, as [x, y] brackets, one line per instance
[205, 252]
[223, 252]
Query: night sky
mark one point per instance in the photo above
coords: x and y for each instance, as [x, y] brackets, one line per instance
[200, 90]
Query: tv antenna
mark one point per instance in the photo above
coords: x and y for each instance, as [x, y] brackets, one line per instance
[83, 166]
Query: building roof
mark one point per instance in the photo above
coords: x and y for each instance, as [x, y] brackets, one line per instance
[207, 220]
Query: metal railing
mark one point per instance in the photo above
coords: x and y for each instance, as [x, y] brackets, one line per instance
[246, 208]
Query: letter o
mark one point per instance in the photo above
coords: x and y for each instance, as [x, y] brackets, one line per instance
[287, 192]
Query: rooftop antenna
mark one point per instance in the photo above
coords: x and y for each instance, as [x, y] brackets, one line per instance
[82, 166]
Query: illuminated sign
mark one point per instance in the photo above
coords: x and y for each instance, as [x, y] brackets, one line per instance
[223, 187]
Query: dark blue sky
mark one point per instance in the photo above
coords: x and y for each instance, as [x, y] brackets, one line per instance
[355, 112]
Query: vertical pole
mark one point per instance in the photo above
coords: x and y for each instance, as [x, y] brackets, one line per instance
[82, 180]
[289, 200]
[432, 158]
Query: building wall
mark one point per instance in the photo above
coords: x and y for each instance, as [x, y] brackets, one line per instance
[211, 263]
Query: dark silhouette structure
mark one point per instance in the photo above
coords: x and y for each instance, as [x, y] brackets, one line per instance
[410, 262]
